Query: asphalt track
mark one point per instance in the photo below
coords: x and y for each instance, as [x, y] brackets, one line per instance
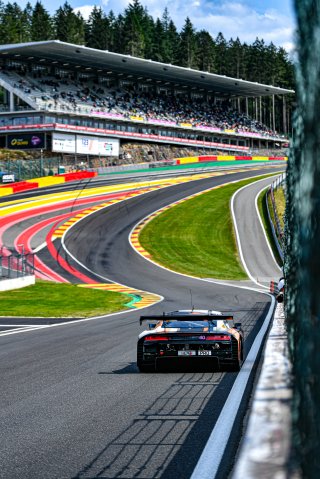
[73, 404]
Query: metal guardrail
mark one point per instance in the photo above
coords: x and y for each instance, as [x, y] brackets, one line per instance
[16, 265]
[276, 228]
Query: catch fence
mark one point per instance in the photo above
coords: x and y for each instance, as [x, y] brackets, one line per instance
[15, 265]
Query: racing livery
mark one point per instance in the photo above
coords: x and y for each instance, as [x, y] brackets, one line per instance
[201, 337]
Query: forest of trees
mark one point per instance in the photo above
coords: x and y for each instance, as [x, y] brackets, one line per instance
[135, 32]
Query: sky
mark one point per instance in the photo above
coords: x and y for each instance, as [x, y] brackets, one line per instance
[270, 20]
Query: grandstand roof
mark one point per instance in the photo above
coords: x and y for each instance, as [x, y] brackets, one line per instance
[105, 61]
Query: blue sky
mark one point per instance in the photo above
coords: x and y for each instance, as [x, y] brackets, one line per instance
[272, 20]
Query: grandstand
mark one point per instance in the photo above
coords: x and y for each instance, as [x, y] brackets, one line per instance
[74, 100]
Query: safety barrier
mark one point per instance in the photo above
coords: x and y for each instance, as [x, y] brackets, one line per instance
[77, 175]
[17, 187]
[45, 181]
[208, 158]
[277, 231]
[13, 265]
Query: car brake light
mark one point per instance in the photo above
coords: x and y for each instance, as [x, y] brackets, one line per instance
[218, 337]
[156, 338]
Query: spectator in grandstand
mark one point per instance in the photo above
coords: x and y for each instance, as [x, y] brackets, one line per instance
[89, 95]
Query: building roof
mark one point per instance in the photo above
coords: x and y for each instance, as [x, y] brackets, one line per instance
[105, 61]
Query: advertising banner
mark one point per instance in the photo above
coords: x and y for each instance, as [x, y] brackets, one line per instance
[95, 145]
[63, 143]
[26, 141]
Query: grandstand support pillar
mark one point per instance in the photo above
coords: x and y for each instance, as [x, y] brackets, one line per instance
[247, 106]
[260, 109]
[273, 115]
[11, 101]
[270, 112]
[284, 115]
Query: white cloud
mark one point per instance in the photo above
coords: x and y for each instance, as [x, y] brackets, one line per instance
[85, 10]
[233, 18]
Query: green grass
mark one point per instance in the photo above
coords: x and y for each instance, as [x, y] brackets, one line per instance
[196, 237]
[46, 299]
[262, 206]
[280, 200]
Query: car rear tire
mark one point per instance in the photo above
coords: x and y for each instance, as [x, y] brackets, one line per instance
[235, 366]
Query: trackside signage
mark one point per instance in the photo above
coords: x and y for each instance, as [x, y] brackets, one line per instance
[8, 178]
[26, 141]
[85, 144]
[91, 145]
[63, 143]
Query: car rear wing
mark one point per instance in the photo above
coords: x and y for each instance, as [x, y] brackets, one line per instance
[187, 317]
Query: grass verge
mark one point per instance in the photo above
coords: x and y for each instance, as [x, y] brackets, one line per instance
[280, 200]
[47, 299]
[196, 237]
[262, 206]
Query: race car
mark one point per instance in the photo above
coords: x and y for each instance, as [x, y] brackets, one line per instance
[190, 338]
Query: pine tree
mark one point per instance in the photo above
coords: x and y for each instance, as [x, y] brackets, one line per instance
[119, 38]
[97, 30]
[69, 26]
[41, 24]
[134, 40]
[150, 39]
[285, 75]
[170, 39]
[158, 42]
[187, 45]
[257, 57]
[25, 32]
[205, 51]
[113, 32]
[13, 24]
[235, 57]
[220, 54]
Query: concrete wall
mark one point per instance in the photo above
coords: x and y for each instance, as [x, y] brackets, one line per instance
[16, 283]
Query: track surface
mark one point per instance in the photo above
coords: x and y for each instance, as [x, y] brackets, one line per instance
[255, 249]
[73, 404]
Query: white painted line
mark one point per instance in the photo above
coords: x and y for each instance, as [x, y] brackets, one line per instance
[211, 280]
[20, 330]
[19, 325]
[104, 278]
[238, 236]
[262, 227]
[41, 246]
[267, 439]
[71, 322]
[210, 459]
[77, 321]
[209, 462]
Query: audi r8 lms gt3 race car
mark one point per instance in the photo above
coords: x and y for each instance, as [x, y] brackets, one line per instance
[190, 338]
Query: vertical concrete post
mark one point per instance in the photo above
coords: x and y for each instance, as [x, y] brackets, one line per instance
[302, 253]
[11, 101]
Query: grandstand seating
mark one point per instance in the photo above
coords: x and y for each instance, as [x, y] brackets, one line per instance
[91, 96]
